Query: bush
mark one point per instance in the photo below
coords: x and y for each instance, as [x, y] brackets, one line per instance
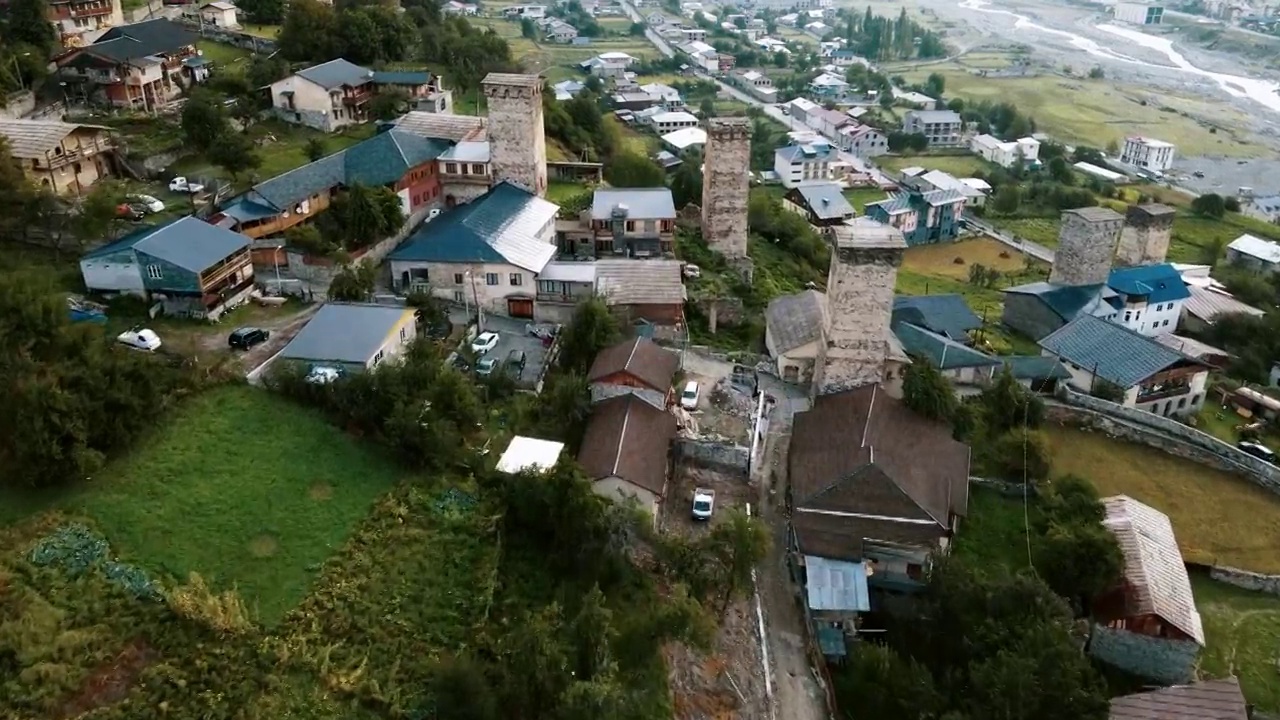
[1019, 456]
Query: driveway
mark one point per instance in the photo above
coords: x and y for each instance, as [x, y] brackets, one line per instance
[512, 335]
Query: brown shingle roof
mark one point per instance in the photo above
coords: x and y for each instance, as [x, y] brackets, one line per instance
[641, 358]
[840, 538]
[1209, 700]
[627, 437]
[864, 452]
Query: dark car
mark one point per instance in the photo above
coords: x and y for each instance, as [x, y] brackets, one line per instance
[514, 364]
[246, 337]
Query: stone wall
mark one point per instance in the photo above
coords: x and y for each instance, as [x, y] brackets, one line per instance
[17, 105]
[727, 164]
[1086, 244]
[317, 276]
[517, 140]
[860, 290]
[1247, 580]
[1161, 659]
[244, 40]
[718, 455]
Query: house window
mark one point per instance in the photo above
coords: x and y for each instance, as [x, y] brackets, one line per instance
[1128, 316]
[457, 296]
[378, 358]
[477, 169]
[457, 278]
[154, 272]
[491, 278]
[451, 168]
[1182, 402]
[650, 226]
[76, 168]
[404, 334]
[517, 279]
[631, 226]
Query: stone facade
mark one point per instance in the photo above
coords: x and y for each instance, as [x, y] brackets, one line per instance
[727, 163]
[720, 455]
[1086, 245]
[1256, 582]
[1162, 659]
[860, 300]
[1145, 237]
[517, 139]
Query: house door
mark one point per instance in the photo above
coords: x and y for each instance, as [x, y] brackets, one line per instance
[520, 307]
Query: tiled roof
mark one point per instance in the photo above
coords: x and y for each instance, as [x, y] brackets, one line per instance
[1209, 305]
[346, 332]
[1159, 283]
[337, 73]
[32, 139]
[947, 315]
[189, 242]
[825, 200]
[796, 320]
[641, 203]
[1265, 250]
[1153, 567]
[1206, 700]
[628, 438]
[1035, 367]
[1113, 352]
[1066, 301]
[641, 358]
[151, 37]
[944, 353]
[653, 281]
[498, 227]
[387, 156]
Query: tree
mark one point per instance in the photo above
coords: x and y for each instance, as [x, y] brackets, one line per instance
[935, 85]
[1006, 404]
[1080, 561]
[1097, 73]
[460, 690]
[235, 154]
[1113, 147]
[204, 122]
[389, 104]
[887, 684]
[1060, 171]
[528, 30]
[592, 329]
[26, 23]
[632, 170]
[1007, 199]
[308, 239]
[362, 216]
[309, 31]
[926, 391]
[353, 283]
[686, 182]
[1211, 205]
[707, 108]
[266, 69]
[1107, 390]
[736, 545]
[96, 218]
[263, 12]
[315, 148]
[1231, 204]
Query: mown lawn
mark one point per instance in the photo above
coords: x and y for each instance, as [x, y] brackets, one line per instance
[240, 486]
[1219, 518]
[859, 197]
[960, 166]
[225, 58]
[1242, 638]
[281, 146]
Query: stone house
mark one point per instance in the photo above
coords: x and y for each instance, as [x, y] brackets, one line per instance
[626, 451]
[794, 327]
[1254, 253]
[644, 293]
[220, 14]
[67, 158]
[337, 93]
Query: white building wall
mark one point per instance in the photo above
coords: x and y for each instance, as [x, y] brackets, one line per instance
[473, 288]
[1151, 318]
[619, 490]
[312, 105]
[104, 275]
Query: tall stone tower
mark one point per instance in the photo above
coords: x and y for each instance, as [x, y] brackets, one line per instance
[1086, 245]
[725, 176]
[865, 256]
[517, 140]
[1145, 237]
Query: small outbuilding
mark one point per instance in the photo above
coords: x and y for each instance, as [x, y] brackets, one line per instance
[353, 337]
[532, 454]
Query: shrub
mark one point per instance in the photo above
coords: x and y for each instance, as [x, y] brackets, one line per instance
[221, 612]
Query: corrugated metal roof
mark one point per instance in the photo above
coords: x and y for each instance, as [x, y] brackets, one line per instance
[796, 320]
[1153, 565]
[1190, 346]
[944, 353]
[1207, 700]
[139, 40]
[500, 226]
[1068, 301]
[895, 205]
[640, 282]
[686, 138]
[33, 139]
[346, 332]
[526, 453]
[825, 200]
[836, 585]
[1209, 305]
[1159, 283]
[296, 185]
[641, 203]
[947, 315]
[387, 156]
[1265, 250]
[580, 272]
[337, 73]
[401, 77]
[1035, 367]
[1113, 352]
[189, 242]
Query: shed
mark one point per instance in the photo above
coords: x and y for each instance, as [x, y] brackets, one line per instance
[353, 336]
[526, 453]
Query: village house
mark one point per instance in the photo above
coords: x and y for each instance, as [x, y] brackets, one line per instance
[923, 215]
[805, 162]
[828, 85]
[79, 20]
[946, 315]
[559, 31]
[143, 66]
[352, 337]
[645, 295]
[337, 93]
[1147, 153]
[192, 268]
[486, 253]
[970, 188]
[1024, 151]
[608, 65]
[686, 139]
[861, 140]
[1150, 376]
[821, 203]
[632, 222]
[638, 367]
[1147, 626]
[959, 363]
[667, 121]
[1205, 306]
[1254, 253]
[756, 83]
[794, 326]
[625, 451]
[67, 158]
[220, 14]
[942, 128]
[1149, 298]
[453, 7]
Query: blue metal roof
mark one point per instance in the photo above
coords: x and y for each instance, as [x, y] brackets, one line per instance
[1035, 367]
[347, 332]
[336, 73]
[387, 156]
[947, 315]
[1068, 302]
[283, 190]
[401, 77]
[900, 203]
[825, 200]
[816, 152]
[1159, 283]
[124, 243]
[245, 210]
[943, 352]
[1110, 351]
[836, 585]
[190, 243]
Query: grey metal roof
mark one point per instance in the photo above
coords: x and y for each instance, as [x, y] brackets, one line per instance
[1153, 565]
[471, 151]
[942, 197]
[346, 332]
[337, 73]
[814, 152]
[796, 320]
[1207, 700]
[935, 116]
[190, 243]
[283, 190]
[825, 200]
[640, 282]
[836, 585]
[1113, 352]
[1266, 250]
[32, 139]
[893, 205]
[641, 203]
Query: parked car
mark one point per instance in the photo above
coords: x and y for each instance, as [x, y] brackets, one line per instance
[514, 365]
[689, 398]
[182, 185]
[1258, 450]
[704, 503]
[246, 337]
[691, 271]
[486, 366]
[484, 342]
[323, 374]
[149, 203]
[139, 338]
[125, 211]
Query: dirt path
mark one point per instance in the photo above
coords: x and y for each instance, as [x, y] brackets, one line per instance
[282, 324]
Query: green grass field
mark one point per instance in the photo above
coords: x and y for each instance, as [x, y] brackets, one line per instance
[1242, 634]
[859, 197]
[224, 57]
[241, 487]
[287, 151]
[958, 165]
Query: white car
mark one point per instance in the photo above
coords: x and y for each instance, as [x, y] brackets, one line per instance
[691, 271]
[484, 342]
[323, 375]
[689, 398]
[151, 204]
[180, 185]
[704, 502]
[140, 339]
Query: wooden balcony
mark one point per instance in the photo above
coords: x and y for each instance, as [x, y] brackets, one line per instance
[210, 279]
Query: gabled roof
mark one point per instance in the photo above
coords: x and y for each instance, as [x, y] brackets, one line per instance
[387, 156]
[189, 242]
[138, 40]
[947, 315]
[337, 73]
[1111, 351]
[401, 77]
[640, 203]
[286, 189]
[1209, 305]
[815, 152]
[640, 358]
[640, 281]
[1159, 283]
[497, 227]
[1153, 567]
[1068, 301]
[32, 139]
[1207, 700]
[825, 200]
[1265, 250]
[346, 332]
[796, 320]
[628, 438]
[943, 352]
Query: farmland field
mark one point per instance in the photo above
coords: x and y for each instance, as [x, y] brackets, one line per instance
[958, 165]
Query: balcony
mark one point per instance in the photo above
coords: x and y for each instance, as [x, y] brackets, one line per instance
[89, 10]
[1160, 392]
[353, 98]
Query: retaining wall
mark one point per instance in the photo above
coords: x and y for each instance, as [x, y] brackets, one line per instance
[718, 455]
[1247, 580]
[1161, 659]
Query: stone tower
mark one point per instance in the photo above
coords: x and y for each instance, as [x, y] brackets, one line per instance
[725, 176]
[865, 256]
[1086, 244]
[517, 141]
[1145, 237]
